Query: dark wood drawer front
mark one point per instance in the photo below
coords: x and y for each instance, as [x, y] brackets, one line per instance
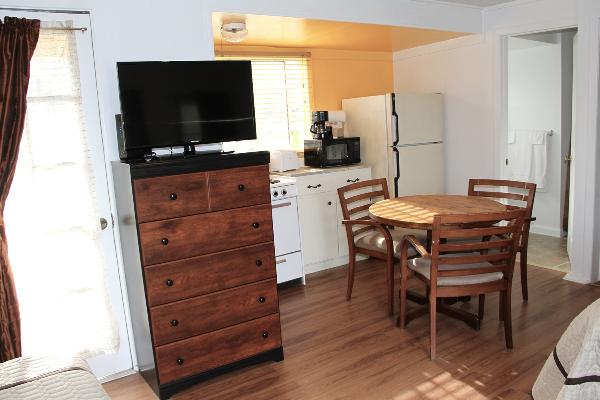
[240, 187]
[211, 350]
[186, 318]
[171, 196]
[178, 238]
[195, 276]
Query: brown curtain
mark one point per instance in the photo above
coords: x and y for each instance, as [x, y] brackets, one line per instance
[18, 38]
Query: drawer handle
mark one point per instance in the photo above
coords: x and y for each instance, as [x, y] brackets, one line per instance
[265, 334]
[286, 204]
[314, 187]
[173, 196]
[241, 187]
[164, 241]
[261, 299]
[352, 180]
[255, 225]
[180, 361]
[169, 282]
[328, 203]
[280, 261]
[174, 322]
[258, 262]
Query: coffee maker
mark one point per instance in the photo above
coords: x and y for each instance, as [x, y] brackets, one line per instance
[319, 129]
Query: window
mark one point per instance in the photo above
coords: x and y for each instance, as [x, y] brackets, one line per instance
[282, 93]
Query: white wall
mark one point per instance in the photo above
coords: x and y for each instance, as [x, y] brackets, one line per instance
[459, 72]
[477, 110]
[535, 102]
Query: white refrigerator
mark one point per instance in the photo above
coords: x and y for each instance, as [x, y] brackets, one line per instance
[401, 139]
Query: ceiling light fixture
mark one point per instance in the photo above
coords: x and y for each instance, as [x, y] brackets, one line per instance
[234, 32]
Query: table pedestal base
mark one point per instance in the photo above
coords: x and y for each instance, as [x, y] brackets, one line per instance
[468, 318]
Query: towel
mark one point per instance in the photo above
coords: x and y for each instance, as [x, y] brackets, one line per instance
[528, 156]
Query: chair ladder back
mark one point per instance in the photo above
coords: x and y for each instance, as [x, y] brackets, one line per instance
[497, 244]
[356, 198]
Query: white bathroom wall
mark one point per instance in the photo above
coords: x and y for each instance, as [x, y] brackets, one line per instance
[534, 102]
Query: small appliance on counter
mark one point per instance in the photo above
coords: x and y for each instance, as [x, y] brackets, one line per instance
[283, 160]
[331, 152]
[324, 150]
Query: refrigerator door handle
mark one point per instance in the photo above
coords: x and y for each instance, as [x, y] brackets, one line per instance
[395, 132]
[397, 174]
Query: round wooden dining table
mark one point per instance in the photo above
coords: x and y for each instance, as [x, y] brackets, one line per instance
[417, 212]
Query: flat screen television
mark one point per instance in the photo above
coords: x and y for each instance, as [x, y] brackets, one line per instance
[182, 103]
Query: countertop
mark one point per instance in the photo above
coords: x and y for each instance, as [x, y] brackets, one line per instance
[304, 171]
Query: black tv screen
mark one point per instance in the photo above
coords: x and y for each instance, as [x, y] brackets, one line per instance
[179, 103]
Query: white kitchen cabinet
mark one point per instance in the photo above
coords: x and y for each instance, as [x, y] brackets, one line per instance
[324, 242]
[318, 227]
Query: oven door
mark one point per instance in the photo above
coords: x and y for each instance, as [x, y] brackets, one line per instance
[286, 229]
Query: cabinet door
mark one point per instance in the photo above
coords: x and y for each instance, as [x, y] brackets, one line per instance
[318, 227]
[343, 179]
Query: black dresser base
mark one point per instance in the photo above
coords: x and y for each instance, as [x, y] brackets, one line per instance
[168, 390]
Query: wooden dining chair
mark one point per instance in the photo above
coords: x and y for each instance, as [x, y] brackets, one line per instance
[458, 265]
[517, 195]
[368, 237]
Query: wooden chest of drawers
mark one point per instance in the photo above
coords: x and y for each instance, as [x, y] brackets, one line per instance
[202, 265]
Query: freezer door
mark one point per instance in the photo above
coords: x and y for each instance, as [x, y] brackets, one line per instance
[420, 118]
[421, 169]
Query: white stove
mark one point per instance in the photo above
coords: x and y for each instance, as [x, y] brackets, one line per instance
[286, 229]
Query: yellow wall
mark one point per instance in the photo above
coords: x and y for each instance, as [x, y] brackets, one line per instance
[336, 74]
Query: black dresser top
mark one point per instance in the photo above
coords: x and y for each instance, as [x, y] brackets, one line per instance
[197, 162]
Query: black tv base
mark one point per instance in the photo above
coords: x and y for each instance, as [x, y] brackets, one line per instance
[182, 164]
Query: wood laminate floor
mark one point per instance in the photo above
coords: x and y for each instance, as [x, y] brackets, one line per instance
[352, 350]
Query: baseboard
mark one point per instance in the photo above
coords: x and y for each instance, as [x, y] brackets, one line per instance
[546, 230]
[571, 277]
[118, 375]
[327, 264]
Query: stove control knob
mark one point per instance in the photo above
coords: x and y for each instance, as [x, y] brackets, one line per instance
[275, 194]
[284, 192]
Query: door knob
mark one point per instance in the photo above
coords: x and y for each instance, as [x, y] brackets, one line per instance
[103, 223]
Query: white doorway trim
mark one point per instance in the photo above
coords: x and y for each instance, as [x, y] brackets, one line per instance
[584, 262]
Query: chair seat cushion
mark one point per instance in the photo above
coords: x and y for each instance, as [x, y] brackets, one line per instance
[422, 266]
[376, 241]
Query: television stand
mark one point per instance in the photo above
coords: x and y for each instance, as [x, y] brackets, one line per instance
[189, 149]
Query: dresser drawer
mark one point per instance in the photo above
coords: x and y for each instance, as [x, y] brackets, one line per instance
[195, 276]
[186, 318]
[198, 354]
[178, 238]
[240, 187]
[171, 196]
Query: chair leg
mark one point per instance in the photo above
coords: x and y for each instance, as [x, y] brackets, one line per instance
[432, 325]
[501, 307]
[507, 320]
[523, 262]
[403, 283]
[481, 307]
[390, 283]
[351, 265]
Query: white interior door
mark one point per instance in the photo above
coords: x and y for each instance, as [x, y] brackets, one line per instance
[63, 257]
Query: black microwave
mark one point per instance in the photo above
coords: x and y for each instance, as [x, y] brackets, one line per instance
[331, 152]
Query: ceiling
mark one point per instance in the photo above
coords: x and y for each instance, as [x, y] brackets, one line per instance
[287, 32]
[478, 3]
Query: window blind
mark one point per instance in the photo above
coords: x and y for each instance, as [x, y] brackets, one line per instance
[282, 101]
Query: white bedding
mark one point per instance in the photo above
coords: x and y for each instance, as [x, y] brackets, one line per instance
[572, 371]
[31, 378]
